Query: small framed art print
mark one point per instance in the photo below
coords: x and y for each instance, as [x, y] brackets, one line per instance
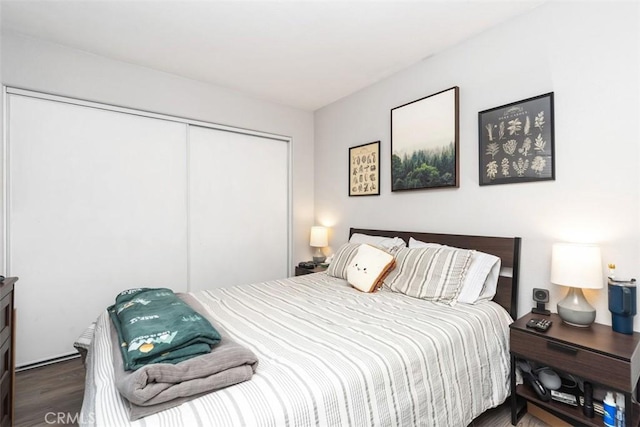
[517, 142]
[364, 170]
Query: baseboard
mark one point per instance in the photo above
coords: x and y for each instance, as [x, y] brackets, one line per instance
[48, 362]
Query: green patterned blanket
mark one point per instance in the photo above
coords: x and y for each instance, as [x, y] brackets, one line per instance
[155, 326]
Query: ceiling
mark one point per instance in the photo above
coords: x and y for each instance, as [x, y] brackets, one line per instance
[304, 54]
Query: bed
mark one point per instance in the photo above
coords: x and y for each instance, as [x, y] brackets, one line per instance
[332, 355]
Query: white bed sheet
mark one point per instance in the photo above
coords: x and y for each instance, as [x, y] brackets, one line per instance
[330, 355]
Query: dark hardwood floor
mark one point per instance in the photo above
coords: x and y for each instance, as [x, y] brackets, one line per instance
[52, 395]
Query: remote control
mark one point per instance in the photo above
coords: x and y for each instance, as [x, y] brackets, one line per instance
[540, 324]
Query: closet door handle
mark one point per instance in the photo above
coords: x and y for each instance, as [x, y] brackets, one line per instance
[562, 348]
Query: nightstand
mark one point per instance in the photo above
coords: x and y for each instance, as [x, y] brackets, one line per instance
[597, 354]
[302, 271]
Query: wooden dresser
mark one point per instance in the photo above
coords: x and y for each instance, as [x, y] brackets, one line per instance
[6, 351]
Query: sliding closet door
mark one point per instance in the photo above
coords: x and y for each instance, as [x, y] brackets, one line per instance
[97, 204]
[238, 192]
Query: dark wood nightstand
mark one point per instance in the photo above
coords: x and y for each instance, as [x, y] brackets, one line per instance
[302, 271]
[597, 354]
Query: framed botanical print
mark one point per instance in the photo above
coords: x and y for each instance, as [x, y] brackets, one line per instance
[424, 142]
[517, 142]
[364, 170]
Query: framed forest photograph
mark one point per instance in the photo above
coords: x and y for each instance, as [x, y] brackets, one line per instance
[364, 170]
[424, 142]
[517, 142]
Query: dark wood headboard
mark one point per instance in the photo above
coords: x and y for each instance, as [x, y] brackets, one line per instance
[506, 248]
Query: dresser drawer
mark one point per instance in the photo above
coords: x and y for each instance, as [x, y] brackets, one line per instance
[5, 385]
[599, 368]
[6, 315]
[6, 364]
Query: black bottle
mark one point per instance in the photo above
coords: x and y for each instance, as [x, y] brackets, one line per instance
[587, 408]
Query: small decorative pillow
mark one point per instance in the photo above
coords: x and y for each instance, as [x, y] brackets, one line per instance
[341, 259]
[367, 269]
[431, 273]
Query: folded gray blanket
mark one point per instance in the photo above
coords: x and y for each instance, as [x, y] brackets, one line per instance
[156, 387]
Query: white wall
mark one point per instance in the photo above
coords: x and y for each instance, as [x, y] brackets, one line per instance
[2, 268]
[32, 64]
[585, 52]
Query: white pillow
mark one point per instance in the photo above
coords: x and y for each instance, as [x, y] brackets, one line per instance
[491, 284]
[367, 269]
[389, 244]
[481, 281]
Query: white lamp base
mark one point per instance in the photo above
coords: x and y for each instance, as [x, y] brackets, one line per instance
[575, 310]
[318, 256]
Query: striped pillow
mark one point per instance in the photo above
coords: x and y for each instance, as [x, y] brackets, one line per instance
[433, 273]
[341, 260]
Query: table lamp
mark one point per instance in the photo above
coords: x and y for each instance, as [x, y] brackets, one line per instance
[319, 239]
[577, 266]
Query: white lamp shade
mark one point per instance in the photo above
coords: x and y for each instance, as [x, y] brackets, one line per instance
[576, 265]
[319, 237]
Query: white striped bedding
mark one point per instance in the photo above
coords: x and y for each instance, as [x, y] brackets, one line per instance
[330, 355]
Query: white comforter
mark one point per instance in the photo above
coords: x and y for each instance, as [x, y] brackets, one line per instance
[330, 355]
